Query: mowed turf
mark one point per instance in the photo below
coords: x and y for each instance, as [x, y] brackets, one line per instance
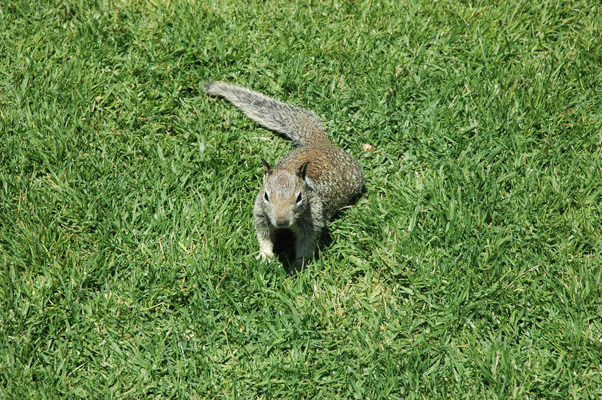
[470, 269]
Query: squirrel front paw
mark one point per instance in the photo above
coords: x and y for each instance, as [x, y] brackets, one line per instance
[265, 256]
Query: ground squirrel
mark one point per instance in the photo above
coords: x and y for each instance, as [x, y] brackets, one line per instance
[308, 185]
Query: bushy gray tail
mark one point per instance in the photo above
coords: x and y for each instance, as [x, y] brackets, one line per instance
[301, 126]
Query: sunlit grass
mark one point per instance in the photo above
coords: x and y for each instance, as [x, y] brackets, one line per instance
[469, 269]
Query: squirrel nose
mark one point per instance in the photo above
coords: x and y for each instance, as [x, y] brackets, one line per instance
[282, 222]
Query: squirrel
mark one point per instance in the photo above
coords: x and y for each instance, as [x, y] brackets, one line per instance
[305, 188]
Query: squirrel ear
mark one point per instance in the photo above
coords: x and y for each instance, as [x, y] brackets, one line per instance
[266, 167]
[302, 170]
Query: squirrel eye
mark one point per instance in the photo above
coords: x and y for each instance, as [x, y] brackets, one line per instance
[299, 198]
[266, 197]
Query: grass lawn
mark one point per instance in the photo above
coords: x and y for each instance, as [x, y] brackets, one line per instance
[470, 269]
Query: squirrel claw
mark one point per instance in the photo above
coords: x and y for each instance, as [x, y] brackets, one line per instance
[264, 257]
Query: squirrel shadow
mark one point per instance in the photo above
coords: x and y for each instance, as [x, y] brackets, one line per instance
[284, 248]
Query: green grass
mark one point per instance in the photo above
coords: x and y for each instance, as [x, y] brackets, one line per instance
[471, 268]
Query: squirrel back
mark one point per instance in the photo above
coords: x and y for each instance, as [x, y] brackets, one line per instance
[307, 186]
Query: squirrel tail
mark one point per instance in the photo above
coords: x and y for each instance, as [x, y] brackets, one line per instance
[301, 126]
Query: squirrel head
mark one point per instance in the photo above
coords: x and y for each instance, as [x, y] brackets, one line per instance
[284, 194]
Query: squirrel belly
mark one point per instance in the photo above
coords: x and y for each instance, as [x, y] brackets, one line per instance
[306, 187]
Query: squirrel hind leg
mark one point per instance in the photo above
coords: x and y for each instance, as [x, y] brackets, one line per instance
[305, 246]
